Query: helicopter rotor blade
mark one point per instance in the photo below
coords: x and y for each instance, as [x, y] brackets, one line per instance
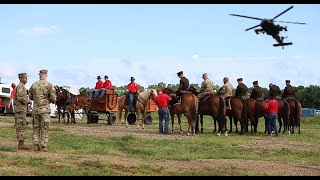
[282, 13]
[252, 27]
[290, 22]
[246, 17]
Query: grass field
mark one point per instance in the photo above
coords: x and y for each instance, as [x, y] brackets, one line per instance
[101, 149]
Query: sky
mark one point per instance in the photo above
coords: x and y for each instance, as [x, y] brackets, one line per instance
[78, 42]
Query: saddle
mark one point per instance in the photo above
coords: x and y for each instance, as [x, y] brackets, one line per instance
[203, 97]
[228, 104]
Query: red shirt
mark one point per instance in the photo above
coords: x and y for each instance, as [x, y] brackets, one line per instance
[107, 84]
[99, 84]
[13, 92]
[162, 100]
[133, 87]
[272, 106]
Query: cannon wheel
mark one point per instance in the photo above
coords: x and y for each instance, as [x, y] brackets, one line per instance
[111, 119]
[148, 119]
[131, 118]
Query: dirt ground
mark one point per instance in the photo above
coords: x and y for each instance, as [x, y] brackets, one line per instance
[126, 163]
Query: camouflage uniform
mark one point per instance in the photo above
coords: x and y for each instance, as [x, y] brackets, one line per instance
[288, 92]
[226, 90]
[43, 93]
[257, 93]
[241, 91]
[206, 88]
[20, 110]
[275, 91]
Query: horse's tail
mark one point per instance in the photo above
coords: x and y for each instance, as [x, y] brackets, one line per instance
[295, 112]
[286, 112]
[222, 108]
[256, 110]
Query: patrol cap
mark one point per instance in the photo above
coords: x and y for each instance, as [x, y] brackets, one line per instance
[43, 71]
[106, 77]
[226, 79]
[180, 73]
[287, 81]
[132, 79]
[98, 77]
[204, 74]
[20, 75]
[270, 84]
[255, 82]
[240, 79]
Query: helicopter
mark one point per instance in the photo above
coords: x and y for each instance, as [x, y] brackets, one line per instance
[268, 27]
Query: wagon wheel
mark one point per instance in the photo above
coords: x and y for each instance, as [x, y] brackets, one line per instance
[131, 118]
[148, 119]
[111, 119]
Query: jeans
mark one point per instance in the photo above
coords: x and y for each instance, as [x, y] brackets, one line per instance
[94, 93]
[131, 96]
[163, 115]
[271, 123]
[101, 93]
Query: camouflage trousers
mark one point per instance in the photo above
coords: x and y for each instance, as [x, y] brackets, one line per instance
[40, 124]
[21, 125]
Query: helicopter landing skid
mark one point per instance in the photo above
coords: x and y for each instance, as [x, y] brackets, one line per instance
[283, 44]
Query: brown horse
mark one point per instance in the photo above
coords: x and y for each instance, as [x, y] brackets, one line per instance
[140, 108]
[258, 109]
[213, 106]
[295, 114]
[71, 103]
[188, 107]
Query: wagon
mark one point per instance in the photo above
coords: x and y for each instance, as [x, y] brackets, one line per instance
[108, 105]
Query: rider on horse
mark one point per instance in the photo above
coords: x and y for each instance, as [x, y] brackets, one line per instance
[226, 89]
[289, 91]
[241, 90]
[274, 91]
[133, 89]
[183, 87]
[257, 93]
[206, 86]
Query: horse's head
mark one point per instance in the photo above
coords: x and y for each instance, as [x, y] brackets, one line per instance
[167, 91]
[153, 94]
[61, 94]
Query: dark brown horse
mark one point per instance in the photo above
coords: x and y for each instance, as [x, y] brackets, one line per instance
[71, 103]
[295, 114]
[188, 106]
[213, 106]
[259, 111]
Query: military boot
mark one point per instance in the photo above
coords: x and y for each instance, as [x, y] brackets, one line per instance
[44, 148]
[22, 146]
[36, 147]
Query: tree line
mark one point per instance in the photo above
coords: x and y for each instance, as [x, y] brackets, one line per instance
[308, 96]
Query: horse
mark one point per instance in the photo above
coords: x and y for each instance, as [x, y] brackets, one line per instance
[71, 103]
[188, 107]
[259, 110]
[295, 114]
[62, 101]
[213, 106]
[140, 107]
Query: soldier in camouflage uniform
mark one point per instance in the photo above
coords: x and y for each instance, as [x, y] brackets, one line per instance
[274, 91]
[206, 86]
[257, 93]
[42, 93]
[241, 90]
[226, 89]
[289, 91]
[20, 103]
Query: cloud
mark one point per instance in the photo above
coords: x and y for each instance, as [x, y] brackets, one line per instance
[195, 56]
[38, 30]
[152, 71]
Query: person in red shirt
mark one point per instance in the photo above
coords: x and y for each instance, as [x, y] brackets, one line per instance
[271, 107]
[106, 85]
[99, 85]
[133, 89]
[13, 85]
[162, 101]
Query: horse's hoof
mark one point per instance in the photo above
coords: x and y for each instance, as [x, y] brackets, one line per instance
[181, 132]
[188, 134]
[226, 133]
[219, 134]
